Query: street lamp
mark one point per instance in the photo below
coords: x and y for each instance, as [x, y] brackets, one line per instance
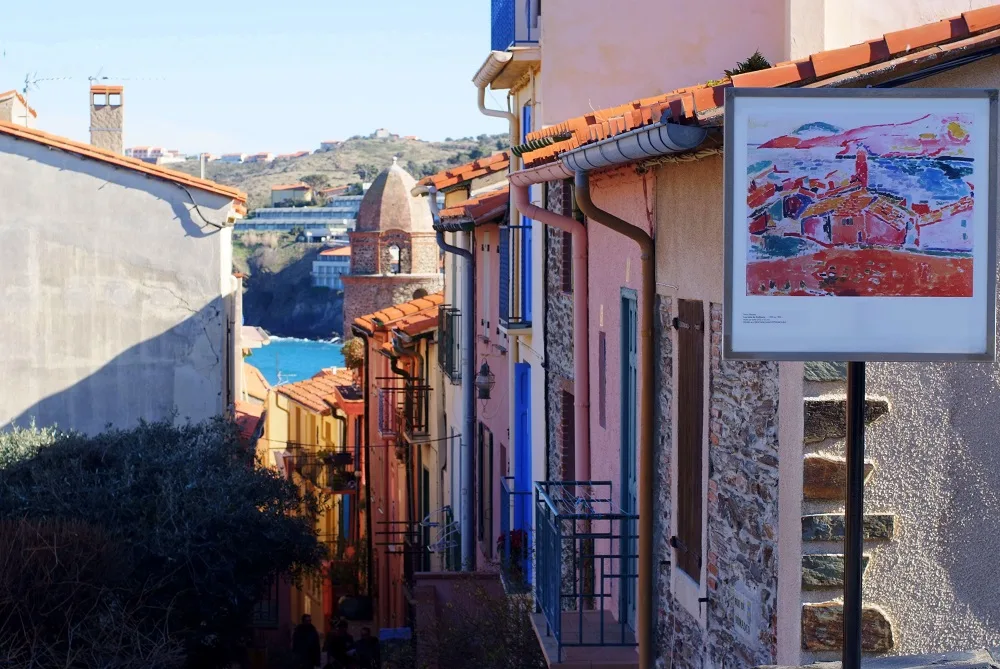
[485, 381]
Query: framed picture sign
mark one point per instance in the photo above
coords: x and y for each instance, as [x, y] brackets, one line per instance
[860, 224]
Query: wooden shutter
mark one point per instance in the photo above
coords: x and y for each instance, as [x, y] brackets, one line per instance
[602, 379]
[690, 409]
[568, 428]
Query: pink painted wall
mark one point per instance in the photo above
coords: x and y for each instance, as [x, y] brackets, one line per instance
[598, 54]
[630, 197]
[494, 414]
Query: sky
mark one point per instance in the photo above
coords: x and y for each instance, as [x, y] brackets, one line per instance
[253, 75]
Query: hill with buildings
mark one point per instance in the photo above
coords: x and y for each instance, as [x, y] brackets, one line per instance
[347, 162]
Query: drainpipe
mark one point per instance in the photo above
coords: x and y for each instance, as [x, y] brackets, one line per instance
[358, 332]
[466, 520]
[660, 139]
[520, 182]
[408, 463]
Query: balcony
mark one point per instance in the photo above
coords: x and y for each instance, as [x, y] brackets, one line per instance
[515, 277]
[449, 343]
[586, 558]
[331, 470]
[404, 410]
[514, 543]
[515, 23]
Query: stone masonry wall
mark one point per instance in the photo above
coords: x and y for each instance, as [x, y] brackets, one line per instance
[400, 240]
[663, 630]
[558, 334]
[364, 252]
[742, 506]
[425, 254]
[367, 294]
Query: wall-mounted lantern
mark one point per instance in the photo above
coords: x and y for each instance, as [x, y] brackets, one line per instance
[485, 380]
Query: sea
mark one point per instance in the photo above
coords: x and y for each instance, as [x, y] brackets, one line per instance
[287, 359]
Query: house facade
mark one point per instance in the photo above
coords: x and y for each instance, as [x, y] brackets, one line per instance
[286, 194]
[748, 463]
[14, 109]
[128, 313]
[330, 265]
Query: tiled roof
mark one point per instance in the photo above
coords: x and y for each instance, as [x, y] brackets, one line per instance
[100, 88]
[94, 153]
[498, 162]
[392, 316]
[342, 251]
[248, 418]
[482, 208]
[315, 392]
[291, 187]
[12, 94]
[894, 54]
[256, 385]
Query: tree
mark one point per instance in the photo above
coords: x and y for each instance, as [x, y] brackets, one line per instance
[354, 353]
[367, 171]
[199, 529]
[316, 181]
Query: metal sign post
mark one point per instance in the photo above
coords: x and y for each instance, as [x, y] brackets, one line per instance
[854, 514]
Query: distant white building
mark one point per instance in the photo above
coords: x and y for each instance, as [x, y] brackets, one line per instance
[330, 265]
[329, 145]
[232, 157]
[317, 223]
[381, 133]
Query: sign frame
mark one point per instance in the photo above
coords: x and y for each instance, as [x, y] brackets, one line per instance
[733, 95]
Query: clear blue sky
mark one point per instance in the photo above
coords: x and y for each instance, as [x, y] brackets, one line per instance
[254, 75]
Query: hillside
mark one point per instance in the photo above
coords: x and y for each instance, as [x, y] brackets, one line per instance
[338, 167]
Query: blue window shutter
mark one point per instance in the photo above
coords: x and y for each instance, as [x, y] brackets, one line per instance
[526, 270]
[503, 299]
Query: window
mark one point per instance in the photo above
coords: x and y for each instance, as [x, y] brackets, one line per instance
[847, 221]
[115, 99]
[100, 99]
[690, 407]
[568, 441]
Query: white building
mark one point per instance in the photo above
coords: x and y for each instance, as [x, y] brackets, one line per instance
[264, 157]
[233, 157]
[330, 265]
[14, 109]
[329, 145]
[317, 223]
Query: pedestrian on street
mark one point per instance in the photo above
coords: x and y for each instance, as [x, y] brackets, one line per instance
[338, 645]
[305, 644]
[368, 653]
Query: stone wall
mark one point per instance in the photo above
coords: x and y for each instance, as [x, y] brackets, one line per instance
[364, 252]
[425, 253]
[401, 240]
[742, 506]
[558, 335]
[663, 630]
[367, 294]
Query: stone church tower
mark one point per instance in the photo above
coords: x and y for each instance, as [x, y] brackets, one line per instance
[394, 254]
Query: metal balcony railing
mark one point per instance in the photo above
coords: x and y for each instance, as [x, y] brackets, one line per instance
[514, 22]
[404, 410]
[449, 343]
[514, 543]
[586, 559]
[332, 471]
[515, 276]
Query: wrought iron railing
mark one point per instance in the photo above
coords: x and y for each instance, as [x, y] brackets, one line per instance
[514, 543]
[404, 410]
[514, 22]
[331, 470]
[449, 343]
[515, 276]
[587, 564]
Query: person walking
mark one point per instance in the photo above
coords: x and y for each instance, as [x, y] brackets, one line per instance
[368, 653]
[305, 644]
[338, 645]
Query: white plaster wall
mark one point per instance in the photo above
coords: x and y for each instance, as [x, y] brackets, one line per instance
[790, 435]
[938, 470]
[114, 306]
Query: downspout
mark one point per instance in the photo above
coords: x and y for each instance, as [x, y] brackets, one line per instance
[520, 182]
[408, 463]
[468, 474]
[370, 556]
[662, 138]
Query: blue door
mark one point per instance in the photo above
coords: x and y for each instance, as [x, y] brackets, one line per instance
[522, 455]
[629, 478]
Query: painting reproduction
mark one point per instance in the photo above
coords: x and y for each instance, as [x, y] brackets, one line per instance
[836, 207]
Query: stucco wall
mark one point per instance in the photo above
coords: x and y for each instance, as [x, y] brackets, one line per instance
[114, 306]
[938, 470]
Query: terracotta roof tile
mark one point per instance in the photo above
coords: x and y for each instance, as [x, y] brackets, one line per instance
[94, 153]
[341, 251]
[453, 176]
[248, 417]
[316, 393]
[291, 187]
[387, 318]
[14, 94]
[480, 209]
[700, 104]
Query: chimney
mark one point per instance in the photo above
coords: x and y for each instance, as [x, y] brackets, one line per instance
[106, 118]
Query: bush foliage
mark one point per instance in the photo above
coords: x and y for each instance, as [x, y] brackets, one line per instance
[198, 529]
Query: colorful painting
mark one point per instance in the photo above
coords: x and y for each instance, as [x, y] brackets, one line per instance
[877, 210]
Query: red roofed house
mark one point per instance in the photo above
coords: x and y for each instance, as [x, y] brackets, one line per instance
[407, 509]
[14, 109]
[727, 490]
[330, 265]
[286, 194]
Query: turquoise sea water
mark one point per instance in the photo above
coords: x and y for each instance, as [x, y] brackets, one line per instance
[286, 360]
